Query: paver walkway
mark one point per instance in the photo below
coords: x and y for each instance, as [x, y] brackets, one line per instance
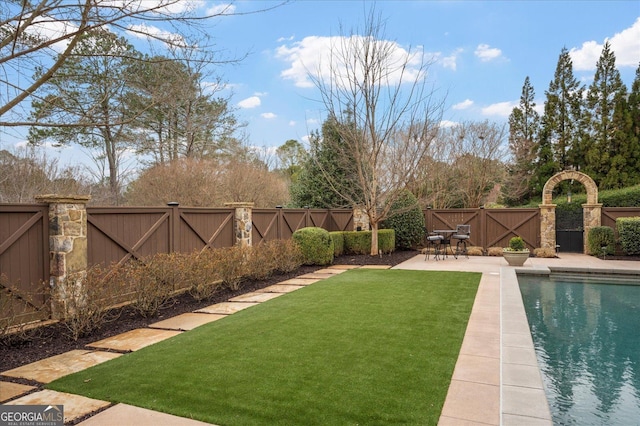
[76, 406]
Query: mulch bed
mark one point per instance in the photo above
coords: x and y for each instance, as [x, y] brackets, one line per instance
[51, 340]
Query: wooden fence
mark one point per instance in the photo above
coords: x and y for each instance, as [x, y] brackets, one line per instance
[116, 234]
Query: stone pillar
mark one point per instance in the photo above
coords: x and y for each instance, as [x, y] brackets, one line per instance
[592, 216]
[67, 249]
[548, 226]
[243, 224]
[360, 220]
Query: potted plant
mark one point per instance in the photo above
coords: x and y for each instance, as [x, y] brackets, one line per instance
[517, 253]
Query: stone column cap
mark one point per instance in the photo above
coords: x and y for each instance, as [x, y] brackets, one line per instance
[237, 204]
[587, 205]
[542, 206]
[58, 198]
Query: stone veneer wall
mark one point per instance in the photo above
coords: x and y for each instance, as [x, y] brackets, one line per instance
[360, 220]
[243, 225]
[67, 249]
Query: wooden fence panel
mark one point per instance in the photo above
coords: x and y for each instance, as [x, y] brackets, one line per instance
[503, 224]
[24, 263]
[265, 225]
[115, 235]
[199, 228]
[340, 220]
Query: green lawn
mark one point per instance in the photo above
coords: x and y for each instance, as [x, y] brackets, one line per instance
[366, 347]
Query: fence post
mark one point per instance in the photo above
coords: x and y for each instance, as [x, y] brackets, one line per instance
[360, 220]
[547, 226]
[243, 223]
[483, 228]
[174, 221]
[67, 249]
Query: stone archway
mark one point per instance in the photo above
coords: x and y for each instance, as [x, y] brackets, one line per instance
[592, 211]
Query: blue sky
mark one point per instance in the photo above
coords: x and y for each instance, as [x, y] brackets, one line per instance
[482, 52]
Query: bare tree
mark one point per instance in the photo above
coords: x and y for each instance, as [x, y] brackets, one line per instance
[43, 34]
[387, 114]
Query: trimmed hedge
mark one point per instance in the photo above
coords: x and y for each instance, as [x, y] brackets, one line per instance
[338, 243]
[407, 220]
[316, 245]
[599, 237]
[629, 234]
[359, 242]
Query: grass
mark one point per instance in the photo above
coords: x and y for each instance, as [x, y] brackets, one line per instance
[364, 347]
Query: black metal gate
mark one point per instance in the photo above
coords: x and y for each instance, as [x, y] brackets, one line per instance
[569, 229]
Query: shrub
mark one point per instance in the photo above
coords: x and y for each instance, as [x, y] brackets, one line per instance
[475, 251]
[151, 292]
[407, 220]
[315, 244]
[359, 242]
[494, 251]
[202, 279]
[629, 234]
[13, 330]
[601, 240]
[544, 252]
[87, 300]
[516, 244]
[229, 262]
[338, 243]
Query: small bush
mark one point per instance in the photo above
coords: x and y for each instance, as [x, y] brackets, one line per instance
[516, 244]
[601, 240]
[629, 234]
[13, 331]
[338, 243]
[407, 220]
[229, 262]
[359, 242]
[475, 251]
[86, 300]
[289, 256]
[203, 280]
[544, 252]
[494, 251]
[151, 292]
[315, 244]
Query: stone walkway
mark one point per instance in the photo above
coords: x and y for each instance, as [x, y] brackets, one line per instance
[103, 413]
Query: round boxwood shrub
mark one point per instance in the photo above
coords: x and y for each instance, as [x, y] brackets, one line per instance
[316, 245]
[601, 240]
[407, 220]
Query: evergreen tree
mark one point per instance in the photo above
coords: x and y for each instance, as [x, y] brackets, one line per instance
[560, 122]
[524, 123]
[632, 169]
[313, 188]
[606, 124]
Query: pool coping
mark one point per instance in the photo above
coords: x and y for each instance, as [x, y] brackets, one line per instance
[522, 396]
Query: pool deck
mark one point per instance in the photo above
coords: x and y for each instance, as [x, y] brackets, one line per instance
[496, 380]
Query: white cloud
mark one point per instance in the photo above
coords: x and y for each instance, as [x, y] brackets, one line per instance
[222, 9]
[150, 32]
[467, 103]
[450, 61]
[447, 124]
[251, 102]
[268, 115]
[312, 55]
[501, 109]
[487, 53]
[624, 44]
[292, 123]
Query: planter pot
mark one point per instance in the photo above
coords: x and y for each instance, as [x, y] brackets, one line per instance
[515, 258]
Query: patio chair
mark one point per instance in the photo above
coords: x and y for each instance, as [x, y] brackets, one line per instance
[433, 241]
[462, 235]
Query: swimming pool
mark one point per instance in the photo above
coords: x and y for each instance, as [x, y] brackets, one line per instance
[586, 333]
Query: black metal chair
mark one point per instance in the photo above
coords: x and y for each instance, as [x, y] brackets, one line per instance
[433, 241]
[462, 235]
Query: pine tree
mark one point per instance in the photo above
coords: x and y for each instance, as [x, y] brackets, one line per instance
[560, 122]
[524, 123]
[606, 126]
[633, 157]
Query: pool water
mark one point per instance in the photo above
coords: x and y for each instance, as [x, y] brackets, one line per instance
[587, 341]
